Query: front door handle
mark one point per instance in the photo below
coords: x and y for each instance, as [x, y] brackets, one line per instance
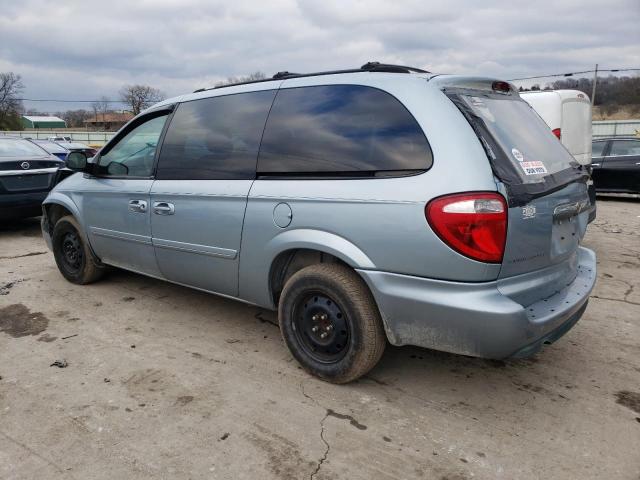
[163, 208]
[139, 206]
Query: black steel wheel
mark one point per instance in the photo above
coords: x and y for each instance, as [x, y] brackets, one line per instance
[72, 252]
[321, 327]
[73, 256]
[331, 323]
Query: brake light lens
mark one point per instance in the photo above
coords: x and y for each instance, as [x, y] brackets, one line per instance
[557, 132]
[473, 224]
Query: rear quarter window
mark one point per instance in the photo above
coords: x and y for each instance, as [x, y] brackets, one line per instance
[341, 129]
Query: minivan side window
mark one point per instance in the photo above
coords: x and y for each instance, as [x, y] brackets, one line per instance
[134, 154]
[341, 129]
[215, 138]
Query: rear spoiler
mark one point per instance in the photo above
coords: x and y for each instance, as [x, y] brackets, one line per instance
[459, 82]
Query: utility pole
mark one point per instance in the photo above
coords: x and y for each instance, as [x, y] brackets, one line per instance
[593, 90]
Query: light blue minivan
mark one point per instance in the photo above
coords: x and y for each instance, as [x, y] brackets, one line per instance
[383, 203]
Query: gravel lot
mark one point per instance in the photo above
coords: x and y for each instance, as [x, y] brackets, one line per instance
[166, 382]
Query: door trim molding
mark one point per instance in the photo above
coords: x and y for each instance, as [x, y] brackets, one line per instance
[129, 237]
[195, 248]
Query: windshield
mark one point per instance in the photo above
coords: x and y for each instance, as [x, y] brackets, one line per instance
[524, 137]
[15, 147]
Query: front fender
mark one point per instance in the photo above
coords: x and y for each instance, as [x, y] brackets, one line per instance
[62, 200]
[59, 198]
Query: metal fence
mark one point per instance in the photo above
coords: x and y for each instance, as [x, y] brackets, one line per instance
[606, 128]
[616, 128]
[90, 138]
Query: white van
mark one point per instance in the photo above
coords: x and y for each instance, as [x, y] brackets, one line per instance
[568, 114]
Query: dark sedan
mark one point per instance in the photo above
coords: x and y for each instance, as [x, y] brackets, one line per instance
[616, 164]
[61, 149]
[27, 173]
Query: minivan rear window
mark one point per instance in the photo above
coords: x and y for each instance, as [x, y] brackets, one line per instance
[525, 138]
[523, 152]
[341, 129]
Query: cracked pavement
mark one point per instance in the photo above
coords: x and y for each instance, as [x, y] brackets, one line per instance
[167, 382]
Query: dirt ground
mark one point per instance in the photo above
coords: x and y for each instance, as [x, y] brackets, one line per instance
[165, 382]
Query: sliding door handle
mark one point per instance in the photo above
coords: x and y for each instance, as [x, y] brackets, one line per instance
[163, 208]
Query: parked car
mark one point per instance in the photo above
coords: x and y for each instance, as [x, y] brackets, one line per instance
[51, 147]
[59, 139]
[365, 205]
[616, 164]
[61, 149]
[27, 173]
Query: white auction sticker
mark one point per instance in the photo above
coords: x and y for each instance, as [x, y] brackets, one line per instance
[517, 154]
[533, 168]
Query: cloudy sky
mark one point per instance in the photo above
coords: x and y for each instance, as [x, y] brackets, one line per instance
[88, 48]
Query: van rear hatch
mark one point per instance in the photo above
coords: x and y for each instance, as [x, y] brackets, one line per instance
[546, 189]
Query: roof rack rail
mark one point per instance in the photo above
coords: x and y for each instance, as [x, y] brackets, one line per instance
[386, 67]
[367, 67]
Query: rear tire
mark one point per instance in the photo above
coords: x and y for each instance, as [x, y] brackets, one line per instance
[331, 323]
[73, 256]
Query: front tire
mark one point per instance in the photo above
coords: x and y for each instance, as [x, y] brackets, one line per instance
[330, 322]
[71, 251]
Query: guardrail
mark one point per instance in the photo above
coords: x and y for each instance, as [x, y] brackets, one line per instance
[616, 128]
[604, 128]
[90, 138]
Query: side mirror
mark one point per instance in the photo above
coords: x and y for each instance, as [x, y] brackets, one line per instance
[76, 161]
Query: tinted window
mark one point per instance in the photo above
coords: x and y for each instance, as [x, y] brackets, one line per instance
[133, 154]
[625, 147]
[341, 128]
[597, 148]
[215, 138]
[525, 138]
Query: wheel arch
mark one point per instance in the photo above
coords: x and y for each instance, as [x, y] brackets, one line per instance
[296, 249]
[56, 206]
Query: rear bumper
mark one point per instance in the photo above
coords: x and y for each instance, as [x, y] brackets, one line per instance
[476, 318]
[21, 205]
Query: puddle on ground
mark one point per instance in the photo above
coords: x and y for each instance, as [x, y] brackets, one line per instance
[18, 321]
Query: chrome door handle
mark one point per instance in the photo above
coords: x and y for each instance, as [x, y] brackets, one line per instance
[595, 164]
[139, 206]
[163, 208]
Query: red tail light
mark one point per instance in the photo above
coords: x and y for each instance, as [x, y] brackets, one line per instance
[557, 132]
[473, 224]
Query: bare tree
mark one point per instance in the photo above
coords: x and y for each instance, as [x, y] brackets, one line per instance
[247, 78]
[10, 104]
[75, 118]
[101, 106]
[139, 97]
